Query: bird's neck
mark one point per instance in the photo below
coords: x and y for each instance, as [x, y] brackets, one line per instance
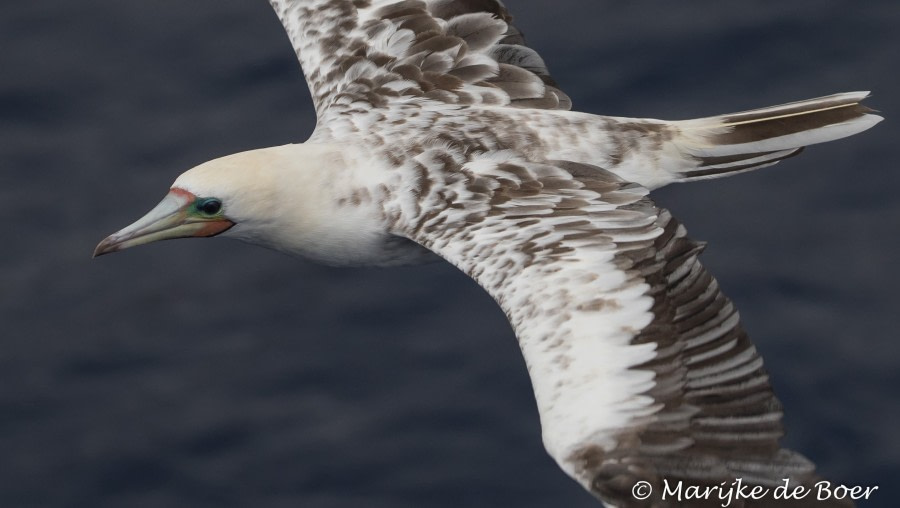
[325, 206]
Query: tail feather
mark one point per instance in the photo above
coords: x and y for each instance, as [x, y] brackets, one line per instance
[739, 142]
[712, 166]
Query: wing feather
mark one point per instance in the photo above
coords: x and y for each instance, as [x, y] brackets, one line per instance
[456, 52]
[640, 367]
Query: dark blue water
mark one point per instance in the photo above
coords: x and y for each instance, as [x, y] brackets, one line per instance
[214, 374]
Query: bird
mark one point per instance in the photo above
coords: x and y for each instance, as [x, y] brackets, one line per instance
[441, 134]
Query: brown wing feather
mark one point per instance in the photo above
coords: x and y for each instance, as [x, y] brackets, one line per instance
[712, 417]
[373, 51]
[719, 420]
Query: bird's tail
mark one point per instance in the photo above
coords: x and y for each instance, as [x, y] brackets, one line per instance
[734, 143]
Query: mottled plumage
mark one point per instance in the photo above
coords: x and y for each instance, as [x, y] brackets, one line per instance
[439, 131]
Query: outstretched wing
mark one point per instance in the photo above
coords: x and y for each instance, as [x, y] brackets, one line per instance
[640, 367]
[453, 51]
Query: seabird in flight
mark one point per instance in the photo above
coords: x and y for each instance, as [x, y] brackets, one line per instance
[440, 132]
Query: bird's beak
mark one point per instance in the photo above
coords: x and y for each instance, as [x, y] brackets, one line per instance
[172, 218]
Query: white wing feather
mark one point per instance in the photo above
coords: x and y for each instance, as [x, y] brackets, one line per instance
[640, 368]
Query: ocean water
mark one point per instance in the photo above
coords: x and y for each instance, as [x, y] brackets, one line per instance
[214, 374]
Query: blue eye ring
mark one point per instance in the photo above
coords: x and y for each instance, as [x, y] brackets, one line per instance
[209, 206]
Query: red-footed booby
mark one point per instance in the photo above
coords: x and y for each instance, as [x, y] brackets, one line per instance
[439, 131]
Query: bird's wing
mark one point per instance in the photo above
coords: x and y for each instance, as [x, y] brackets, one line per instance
[451, 51]
[640, 367]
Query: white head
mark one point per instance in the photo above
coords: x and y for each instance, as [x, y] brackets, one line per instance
[271, 196]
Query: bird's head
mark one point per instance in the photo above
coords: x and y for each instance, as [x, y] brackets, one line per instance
[181, 214]
[241, 195]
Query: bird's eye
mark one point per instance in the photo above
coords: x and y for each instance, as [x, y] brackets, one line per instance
[210, 206]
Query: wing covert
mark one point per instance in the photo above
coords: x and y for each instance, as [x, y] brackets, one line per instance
[451, 51]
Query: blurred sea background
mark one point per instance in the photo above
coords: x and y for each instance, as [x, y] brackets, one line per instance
[215, 374]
